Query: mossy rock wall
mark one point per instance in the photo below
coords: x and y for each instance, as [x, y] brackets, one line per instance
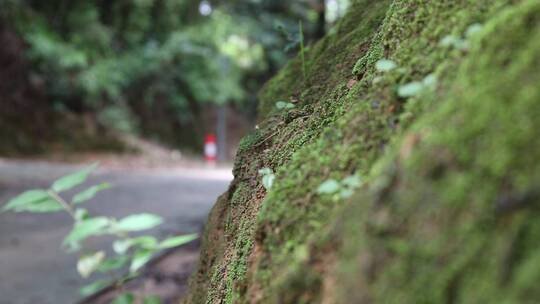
[437, 163]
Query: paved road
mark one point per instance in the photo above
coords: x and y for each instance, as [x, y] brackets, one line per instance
[34, 270]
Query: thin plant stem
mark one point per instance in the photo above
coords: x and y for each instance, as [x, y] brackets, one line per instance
[62, 202]
[302, 50]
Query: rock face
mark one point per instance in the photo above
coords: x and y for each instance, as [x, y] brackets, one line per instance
[413, 184]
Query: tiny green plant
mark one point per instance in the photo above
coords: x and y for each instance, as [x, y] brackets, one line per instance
[302, 49]
[340, 189]
[410, 89]
[295, 40]
[284, 105]
[414, 88]
[385, 65]
[129, 252]
[461, 43]
[268, 177]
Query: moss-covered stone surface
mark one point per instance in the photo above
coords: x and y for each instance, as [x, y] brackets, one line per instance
[443, 150]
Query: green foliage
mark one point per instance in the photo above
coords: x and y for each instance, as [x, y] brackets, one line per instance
[70, 181]
[129, 298]
[89, 193]
[341, 189]
[33, 201]
[151, 300]
[85, 228]
[140, 258]
[414, 88]
[177, 241]
[133, 251]
[112, 264]
[330, 186]
[117, 59]
[410, 89]
[94, 287]
[268, 177]
[459, 42]
[89, 263]
[280, 105]
[137, 222]
[126, 298]
[123, 245]
[385, 65]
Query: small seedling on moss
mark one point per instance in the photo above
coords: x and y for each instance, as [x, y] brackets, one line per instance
[284, 105]
[410, 89]
[473, 29]
[302, 50]
[330, 186]
[340, 189]
[416, 87]
[385, 65]
[268, 177]
[133, 251]
[461, 43]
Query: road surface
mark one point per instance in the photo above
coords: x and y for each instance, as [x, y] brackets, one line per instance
[33, 267]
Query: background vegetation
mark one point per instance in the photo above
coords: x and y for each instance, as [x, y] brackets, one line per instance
[148, 67]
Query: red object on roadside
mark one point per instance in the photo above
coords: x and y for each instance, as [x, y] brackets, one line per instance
[210, 148]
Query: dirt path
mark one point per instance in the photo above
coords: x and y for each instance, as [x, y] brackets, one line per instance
[33, 269]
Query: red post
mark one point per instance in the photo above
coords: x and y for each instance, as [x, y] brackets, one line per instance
[210, 149]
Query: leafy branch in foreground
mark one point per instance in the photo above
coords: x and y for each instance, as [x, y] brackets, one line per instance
[130, 252]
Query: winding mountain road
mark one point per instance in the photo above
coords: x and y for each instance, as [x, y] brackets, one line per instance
[33, 267]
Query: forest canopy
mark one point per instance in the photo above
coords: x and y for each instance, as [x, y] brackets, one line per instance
[128, 61]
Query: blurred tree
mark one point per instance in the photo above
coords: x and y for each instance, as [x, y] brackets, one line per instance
[150, 66]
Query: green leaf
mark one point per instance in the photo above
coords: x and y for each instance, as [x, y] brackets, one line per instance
[126, 298]
[72, 180]
[113, 263]
[430, 81]
[96, 286]
[268, 177]
[81, 214]
[122, 246]
[26, 198]
[140, 258]
[352, 181]
[177, 241]
[146, 242]
[43, 206]
[330, 186]
[89, 193]
[346, 193]
[385, 65]
[284, 105]
[84, 229]
[410, 89]
[89, 263]
[450, 40]
[473, 29]
[268, 181]
[265, 171]
[152, 300]
[138, 222]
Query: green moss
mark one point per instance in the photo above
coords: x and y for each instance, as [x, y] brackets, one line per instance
[451, 231]
[249, 141]
[436, 167]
